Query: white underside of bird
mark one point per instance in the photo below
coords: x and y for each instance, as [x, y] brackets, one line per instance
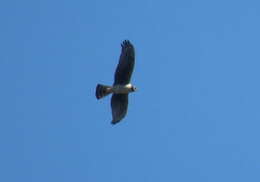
[104, 90]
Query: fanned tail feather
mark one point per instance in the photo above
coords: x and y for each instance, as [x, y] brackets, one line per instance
[102, 91]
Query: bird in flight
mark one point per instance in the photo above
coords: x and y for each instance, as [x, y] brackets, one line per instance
[122, 86]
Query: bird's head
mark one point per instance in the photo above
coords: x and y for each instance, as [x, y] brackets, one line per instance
[133, 88]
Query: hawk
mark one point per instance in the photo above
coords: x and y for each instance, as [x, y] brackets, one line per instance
[122, 86]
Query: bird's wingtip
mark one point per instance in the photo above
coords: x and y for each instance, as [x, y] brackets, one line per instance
[113, 122]
[126, 42]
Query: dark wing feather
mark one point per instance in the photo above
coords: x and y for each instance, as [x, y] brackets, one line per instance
[119, 103]
[126, 64]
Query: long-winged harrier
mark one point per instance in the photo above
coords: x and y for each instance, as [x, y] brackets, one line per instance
[122, 86]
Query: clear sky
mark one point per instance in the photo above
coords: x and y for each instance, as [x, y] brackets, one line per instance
[195, 117]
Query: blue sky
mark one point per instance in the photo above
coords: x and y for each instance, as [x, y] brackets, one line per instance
[195, 116]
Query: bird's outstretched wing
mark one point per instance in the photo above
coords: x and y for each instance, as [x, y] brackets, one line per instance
[126, 64]
[119, 103]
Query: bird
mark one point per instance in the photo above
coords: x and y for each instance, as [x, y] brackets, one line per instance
[121, 87]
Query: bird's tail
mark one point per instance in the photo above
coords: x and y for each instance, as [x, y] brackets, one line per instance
[102, 91]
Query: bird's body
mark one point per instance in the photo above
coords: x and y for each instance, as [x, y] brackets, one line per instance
[122, 86]
[122, 89]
